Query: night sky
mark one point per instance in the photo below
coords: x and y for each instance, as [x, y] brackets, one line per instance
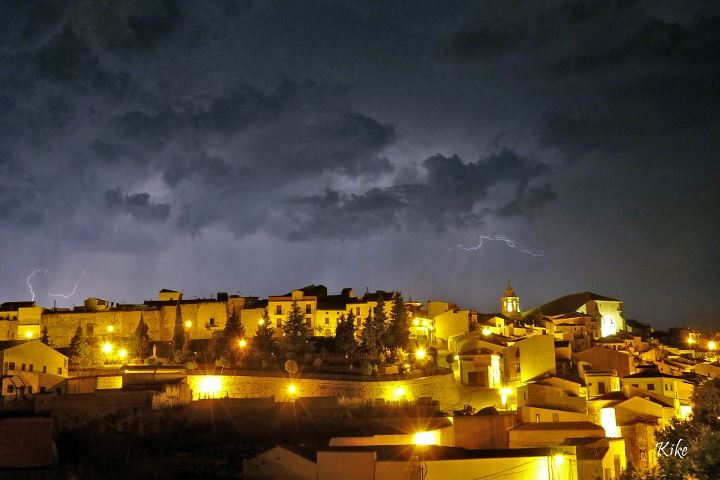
[256, 147]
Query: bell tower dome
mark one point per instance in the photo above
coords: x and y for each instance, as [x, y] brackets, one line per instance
[510, 303]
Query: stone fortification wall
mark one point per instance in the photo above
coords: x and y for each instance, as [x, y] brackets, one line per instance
[438, 387]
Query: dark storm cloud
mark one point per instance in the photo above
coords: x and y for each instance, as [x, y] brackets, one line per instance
[137, 205]
[454, 194]
[129, 125]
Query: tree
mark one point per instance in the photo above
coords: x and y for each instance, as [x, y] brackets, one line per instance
[698, 434]
[295, 330]
[142, 339]
[78, 348]
[178, 341]
[45, 337]
[370, 335]
[399, 326]
[345, 334]
[232, 333]
[264, 343]
[381, 322]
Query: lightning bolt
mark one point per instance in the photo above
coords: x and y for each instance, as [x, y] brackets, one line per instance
[77, 282]
[27, 281]
[498, 238]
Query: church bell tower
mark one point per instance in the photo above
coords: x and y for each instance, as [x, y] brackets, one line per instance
[510, 303]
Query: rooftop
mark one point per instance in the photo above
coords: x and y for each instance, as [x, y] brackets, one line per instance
[569, 303]
[548, 426]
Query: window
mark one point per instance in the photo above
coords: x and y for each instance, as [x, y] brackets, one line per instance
[22, 367]
[11, 365]
[327, 321]
[556, 417]
[59, 370]
[601, 387]
[643, 454]
[308, 308]
[357, 311]
[11, 388]
[357, 322]
[651, 386]
[212, 322]
[636, 385]
[44, 368]
[537, 418]
[278, 309]
[30, 367]
[89, 329]
[29, 389]
[308, 321]
[279, 323]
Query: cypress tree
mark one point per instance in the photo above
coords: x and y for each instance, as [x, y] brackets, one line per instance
[78, 347]
[45, 337]
[295, 330]
[370, 335]
[264, 342]
[178, 340]
[345, 334]
[399, 326]
[233, 331]
[142, 339]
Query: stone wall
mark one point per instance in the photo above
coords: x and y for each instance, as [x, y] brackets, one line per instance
[438, 387]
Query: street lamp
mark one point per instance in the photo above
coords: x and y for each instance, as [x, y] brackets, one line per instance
[107, 348]
[420, 354]
[242, 343]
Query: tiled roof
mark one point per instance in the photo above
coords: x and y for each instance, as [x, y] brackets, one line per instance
[5, 344]
[570, 303]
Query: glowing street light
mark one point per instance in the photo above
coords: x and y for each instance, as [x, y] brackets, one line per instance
[292, 389]
[209, 386]
[486, 331]
[399, 393]
[107, 348]
[420, 354]
[559, 459]
[712, 345]
[416, 322]
[261, 321]
[188, 324]
[242, 343]
[425, 438]
[110, 328]
[122, 353]
[28, 334]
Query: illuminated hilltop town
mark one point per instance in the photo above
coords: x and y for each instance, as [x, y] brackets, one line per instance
[362, 386]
